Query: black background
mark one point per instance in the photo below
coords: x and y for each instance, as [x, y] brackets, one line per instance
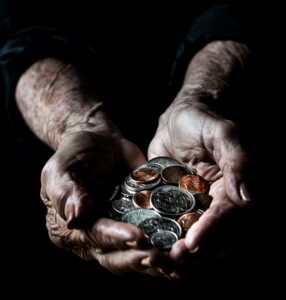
[31, 263]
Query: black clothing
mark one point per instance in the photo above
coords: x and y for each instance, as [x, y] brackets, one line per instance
[136, 61]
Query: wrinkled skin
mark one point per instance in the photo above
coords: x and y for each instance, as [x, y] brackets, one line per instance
[194, 135]
[82, 158]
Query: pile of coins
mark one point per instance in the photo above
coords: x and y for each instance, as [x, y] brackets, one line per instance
[162, 197]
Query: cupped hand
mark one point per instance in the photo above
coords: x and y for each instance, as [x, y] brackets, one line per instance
[193, 134]
[76, 183]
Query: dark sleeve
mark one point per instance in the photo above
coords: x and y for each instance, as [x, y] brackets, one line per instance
[221, 22]
[21, 47]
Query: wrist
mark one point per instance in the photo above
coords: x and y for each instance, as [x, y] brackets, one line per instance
[89, 119]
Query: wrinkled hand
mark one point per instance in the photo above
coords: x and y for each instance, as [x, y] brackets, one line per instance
[196, 136]
[75, 184]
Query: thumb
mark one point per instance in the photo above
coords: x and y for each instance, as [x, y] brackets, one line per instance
[233, 160]
[69, 198]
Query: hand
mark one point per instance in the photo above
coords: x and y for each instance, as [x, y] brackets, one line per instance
[196, 136]
[76, 182]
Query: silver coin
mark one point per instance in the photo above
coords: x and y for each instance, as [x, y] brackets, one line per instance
[126, 192]
[172, 201]
[149, 226]
[154, 166]
[163, 240]
[138, 215]
[122, 205]
[164, 161]
[136, 187]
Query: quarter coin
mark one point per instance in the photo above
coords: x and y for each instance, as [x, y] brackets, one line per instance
[172, 201]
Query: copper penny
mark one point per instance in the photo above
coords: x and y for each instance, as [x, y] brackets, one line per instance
[187, 220]
[173, 174]
[144, 175]
[142, 199]
[194, 183]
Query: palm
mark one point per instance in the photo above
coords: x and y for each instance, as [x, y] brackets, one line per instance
[210, 144]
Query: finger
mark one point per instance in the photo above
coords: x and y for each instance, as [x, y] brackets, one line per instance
[68, 197]
[199, 231]
[131, 260]
[178, 251]
[107, 234]
[232, 159]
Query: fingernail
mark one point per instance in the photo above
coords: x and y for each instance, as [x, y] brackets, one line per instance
[194, 250]
[146, 262]
[244, 192]
[131, 244]
[175, 275]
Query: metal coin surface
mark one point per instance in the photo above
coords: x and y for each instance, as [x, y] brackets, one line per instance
[164, 161]
[122, 205]
[187, 220]
[138, 215]
[153, 166]
[144, 175]
[136, 187]
[173, 174]
[149, 226]
[194, 183]
[126, 192]
[172, 201]
[163, 240]
[142, 199]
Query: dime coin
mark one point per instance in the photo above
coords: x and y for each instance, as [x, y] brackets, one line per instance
[122, 205]
[172, 174]
[163, 240]
[149, 226]
[142, 199]
[164, 161]
[144, 175]
[138, 215]
[172, 201]
[187, 220]
[194, 183]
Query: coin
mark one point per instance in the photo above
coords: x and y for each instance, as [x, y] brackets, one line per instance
[144, 175]
[142, 199]
[122, 205]
[187, 220]
[172, 201]
[194, 183]
[149, 226]
[172, 174]
[153, 166]
[163, 240]
[138, 215]
[136, 187]
[164, 161]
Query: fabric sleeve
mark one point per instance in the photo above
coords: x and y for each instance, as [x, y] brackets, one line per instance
[221, 22]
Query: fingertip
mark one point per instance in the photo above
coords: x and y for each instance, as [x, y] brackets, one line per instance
[178, 251]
